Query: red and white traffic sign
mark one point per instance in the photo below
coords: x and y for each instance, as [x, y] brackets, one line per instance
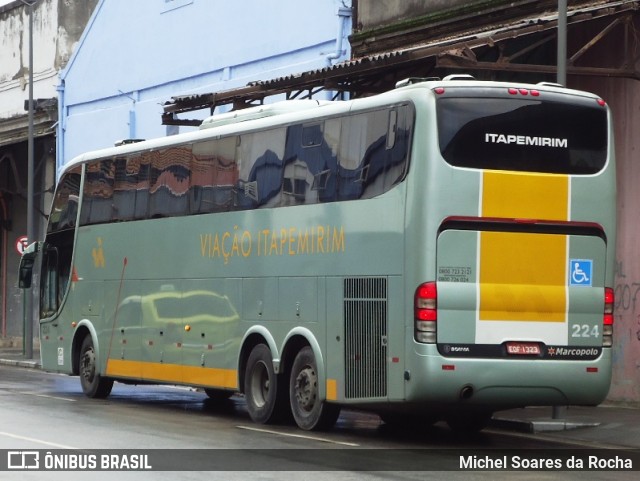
[21, 244]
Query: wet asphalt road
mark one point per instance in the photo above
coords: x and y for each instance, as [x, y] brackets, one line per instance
[42, 411]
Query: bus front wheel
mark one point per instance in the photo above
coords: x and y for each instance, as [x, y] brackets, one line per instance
[261, 387]
[309, 412]
[93, 384]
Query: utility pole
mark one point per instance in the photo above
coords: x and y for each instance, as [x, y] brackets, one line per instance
[559, 412]
[28, 305]
[562, 42]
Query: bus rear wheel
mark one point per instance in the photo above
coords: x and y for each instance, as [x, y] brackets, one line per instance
[261, 387]
[309, 412]
[93, 384]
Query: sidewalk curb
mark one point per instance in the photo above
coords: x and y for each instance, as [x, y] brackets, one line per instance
[540, 425]
[28, 363]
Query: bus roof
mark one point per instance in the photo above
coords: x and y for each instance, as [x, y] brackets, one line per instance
[296, 110]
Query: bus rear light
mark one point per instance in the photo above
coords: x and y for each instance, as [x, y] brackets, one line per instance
[426, 313]
[514, 91]
[601, 102]
[425, 332]
[439, 90]
[592, 369]
[609, 300]
[607, 317]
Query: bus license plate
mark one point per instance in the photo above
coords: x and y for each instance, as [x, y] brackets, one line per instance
[523, 348]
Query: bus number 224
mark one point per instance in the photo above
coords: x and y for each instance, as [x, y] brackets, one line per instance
[584, 330]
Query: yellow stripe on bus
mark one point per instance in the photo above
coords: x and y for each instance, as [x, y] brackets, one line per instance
[523, 276]
[525, 195]
[332, 389]
[173, 373]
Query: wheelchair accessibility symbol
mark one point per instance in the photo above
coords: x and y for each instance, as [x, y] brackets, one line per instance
[580, 272]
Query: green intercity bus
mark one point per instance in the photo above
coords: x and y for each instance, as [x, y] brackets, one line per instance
[436, 252]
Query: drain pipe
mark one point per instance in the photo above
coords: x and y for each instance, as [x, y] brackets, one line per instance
[3, 262]
[60, 130]
[344, 14]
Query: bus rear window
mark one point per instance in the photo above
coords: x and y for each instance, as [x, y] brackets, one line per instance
[523, 135]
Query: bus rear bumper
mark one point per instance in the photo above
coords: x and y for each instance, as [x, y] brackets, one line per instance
[506, 383]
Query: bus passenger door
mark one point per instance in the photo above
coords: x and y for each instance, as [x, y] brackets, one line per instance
[49, 289]
[54, 279]
[49, 284]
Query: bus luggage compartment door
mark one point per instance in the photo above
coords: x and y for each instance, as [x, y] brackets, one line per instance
[532, 291]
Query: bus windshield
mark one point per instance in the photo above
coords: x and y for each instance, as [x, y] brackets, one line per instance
[523, 134]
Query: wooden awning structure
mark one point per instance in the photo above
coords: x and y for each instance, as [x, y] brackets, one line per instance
[513, 50]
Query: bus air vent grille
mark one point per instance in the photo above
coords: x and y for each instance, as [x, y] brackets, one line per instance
[365, 316]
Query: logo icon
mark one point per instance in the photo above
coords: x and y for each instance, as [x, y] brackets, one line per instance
[23, 460]
[98, 254]
[580, 272]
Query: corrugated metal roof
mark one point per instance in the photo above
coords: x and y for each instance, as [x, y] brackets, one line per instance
[366, 75]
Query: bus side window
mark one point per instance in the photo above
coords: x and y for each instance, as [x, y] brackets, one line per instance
[319, 150]
[260, 166]
[203, 177]
[352, 173]
[398, 153]
[169, 186]
[97, 203]
[376, 153]
[324, 177]
[65, 205]
[226, 173]
[124, 190]
[294, 182]
[310, 159]
[141, 164]
[294, 170]
[373, 153]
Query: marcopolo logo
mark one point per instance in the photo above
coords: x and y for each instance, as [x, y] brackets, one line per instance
[573, 352]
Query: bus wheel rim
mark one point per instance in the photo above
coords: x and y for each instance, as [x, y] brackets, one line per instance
[260, 384]
[88, 365]
[306, 388]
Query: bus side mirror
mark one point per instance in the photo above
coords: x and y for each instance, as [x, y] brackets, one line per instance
[26, 265]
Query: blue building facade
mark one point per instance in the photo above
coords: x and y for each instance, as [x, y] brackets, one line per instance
[135, 56]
